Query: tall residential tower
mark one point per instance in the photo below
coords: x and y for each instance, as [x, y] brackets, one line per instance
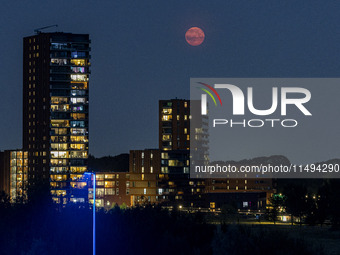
[55, 112]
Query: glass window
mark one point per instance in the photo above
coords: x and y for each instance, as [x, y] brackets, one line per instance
[77, 69]
[59, 154]
[77, 146]
[78, 92]
[60, 108]
[79, 62]
[79, 108]
[59, 61]
[78, 154]
[79, 139]
[59, 100]
[167, 110]
[79, 85]
[79, 77]
[78, 100]
[78, 54]
[109, 191]
[59, 46]
[166, 117]
[60, 123]
[78, 131]
[78, 116]
[59, 146]
[78, 123]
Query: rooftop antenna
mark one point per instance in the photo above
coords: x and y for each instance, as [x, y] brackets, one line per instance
[38, 30]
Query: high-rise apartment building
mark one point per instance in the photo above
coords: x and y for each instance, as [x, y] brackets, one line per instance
[174, 124]
[174, 143]
[55, 112]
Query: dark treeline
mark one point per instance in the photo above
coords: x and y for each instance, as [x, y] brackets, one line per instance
[119, 163]
[49, 229]
[316, 207]
[45, 228]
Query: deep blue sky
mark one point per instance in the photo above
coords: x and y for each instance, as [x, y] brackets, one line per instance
[139, 55]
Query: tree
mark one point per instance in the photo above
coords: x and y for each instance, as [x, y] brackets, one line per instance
[4, 199]
[297, 201]
[276, 205]
[228, 213]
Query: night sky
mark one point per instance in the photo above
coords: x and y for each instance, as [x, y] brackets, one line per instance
[139, 55]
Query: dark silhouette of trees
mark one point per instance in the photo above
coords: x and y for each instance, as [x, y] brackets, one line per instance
[277, 203]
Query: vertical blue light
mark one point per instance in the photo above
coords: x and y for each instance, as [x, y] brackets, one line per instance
[94, 214]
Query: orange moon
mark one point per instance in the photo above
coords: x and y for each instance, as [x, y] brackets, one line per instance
[194, 36]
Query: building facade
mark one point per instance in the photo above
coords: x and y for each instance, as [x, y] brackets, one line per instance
[112, 188]
[145, 174]
[55, 112]
[14, 174]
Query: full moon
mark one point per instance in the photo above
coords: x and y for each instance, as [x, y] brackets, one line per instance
[194, 36]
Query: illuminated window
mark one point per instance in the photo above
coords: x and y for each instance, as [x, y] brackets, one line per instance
[59, 100]
[144, 191]
[78, 154]
[78, 85]
[78, 169]
[78, 131]
[109, 184]
[79, 77]
[78, 54]
[60, 123]
[78, 108]
[60, 108]
[78, 69]
[109, 191]
[167, 111]
[77, 146]
[78, 100]
[78, 92]
[59, 154]
[78, 116]
[165, 155]
[164, 170]
[78, 185]
[79, 62]
[166, 117]
[99, 177]
[59, 146]
[78, 124]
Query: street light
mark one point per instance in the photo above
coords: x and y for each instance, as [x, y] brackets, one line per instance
[94, 212]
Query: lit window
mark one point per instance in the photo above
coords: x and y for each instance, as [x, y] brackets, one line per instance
[78, 62]
[167, 117]
[167, 110]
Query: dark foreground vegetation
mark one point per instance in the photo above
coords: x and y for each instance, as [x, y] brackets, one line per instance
[43, 228]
